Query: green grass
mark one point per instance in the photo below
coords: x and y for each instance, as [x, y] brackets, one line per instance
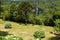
[26, 31]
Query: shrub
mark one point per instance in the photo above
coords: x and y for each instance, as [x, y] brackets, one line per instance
[3, 33]
[7, 16]
[57, 23]
[49, 20]
[31, 18]
[11, 38]
[8, 25]
[39, 34]
[38, 21]
[2, 38]
[56, 15]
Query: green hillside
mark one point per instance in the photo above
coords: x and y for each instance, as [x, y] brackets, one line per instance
[26, 31]
[29, 19]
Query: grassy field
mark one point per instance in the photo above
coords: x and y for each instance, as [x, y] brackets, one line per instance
[26, 31]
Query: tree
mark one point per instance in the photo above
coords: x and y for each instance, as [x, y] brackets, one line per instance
[0, 5]
[1, 8]
[11, 13]
[24, 9]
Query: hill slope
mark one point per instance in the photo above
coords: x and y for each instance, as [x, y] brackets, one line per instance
[26, 31]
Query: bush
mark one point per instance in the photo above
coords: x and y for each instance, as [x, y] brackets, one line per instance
[15, 38]
[2, 38]
[56, 16]
[31, 18]
[8, 25]
[49, 20]
[40, 19]
[7, 16]
[37, 20]
[10, 38]
[39, 34]
[57, 23]
[4, 33]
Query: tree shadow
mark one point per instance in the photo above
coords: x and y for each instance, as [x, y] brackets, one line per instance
[57, 37]
[3, 33]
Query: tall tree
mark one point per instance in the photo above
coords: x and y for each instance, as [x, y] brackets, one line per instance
[24, 9]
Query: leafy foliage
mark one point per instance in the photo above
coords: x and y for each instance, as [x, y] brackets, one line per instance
[2, 38]
[39, 34]
[24, 12]
[8, 25]
[15, 38]
[3, 33]
[11, 38]
[57, 23]
[24, 9]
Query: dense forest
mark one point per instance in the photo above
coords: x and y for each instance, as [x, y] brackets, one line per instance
[36, 12]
